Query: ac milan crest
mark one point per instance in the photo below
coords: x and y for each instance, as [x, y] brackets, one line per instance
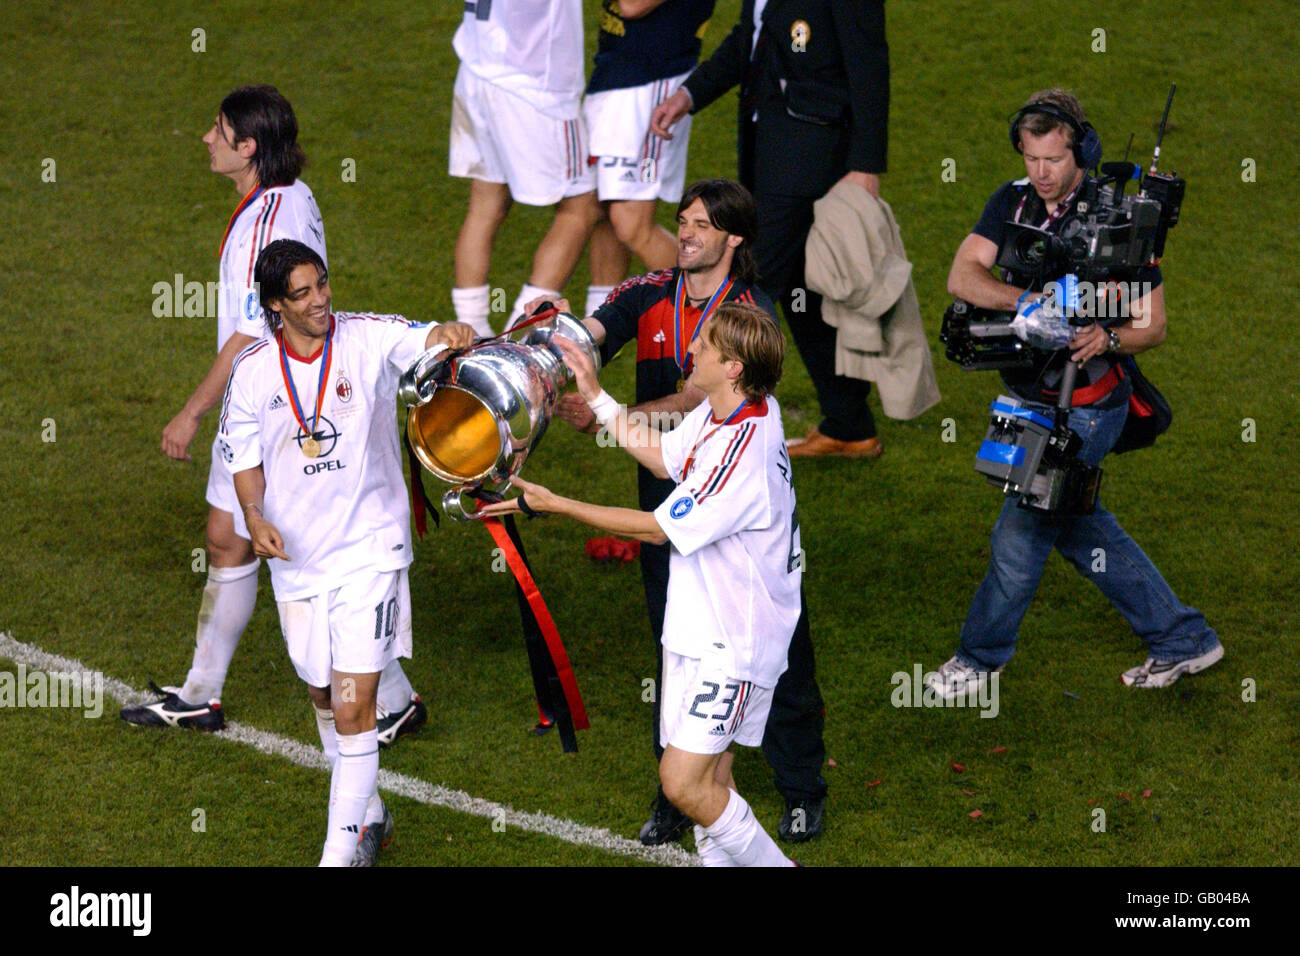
[343, 389]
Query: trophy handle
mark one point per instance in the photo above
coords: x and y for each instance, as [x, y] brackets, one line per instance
[461, 502]
[417, 382]
[453, 505]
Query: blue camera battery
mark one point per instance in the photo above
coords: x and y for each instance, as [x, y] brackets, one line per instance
[1013, 445]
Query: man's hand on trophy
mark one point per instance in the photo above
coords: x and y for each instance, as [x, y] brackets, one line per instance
[454, 335]
[579, 363]
[531, 500]
[532, 305]
[573, 408]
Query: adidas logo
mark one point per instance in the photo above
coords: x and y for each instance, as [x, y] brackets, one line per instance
[718, 731]
[659, 337]
[628, 177]
[351, 829]
[277, 402]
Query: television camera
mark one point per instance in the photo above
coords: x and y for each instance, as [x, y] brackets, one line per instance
[1081, 267]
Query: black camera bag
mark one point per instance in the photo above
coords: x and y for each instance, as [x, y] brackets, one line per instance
[1149, 414]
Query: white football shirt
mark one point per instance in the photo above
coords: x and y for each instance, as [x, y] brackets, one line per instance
[279, 212]
[736, 564]
[533, 48]
[345, 511]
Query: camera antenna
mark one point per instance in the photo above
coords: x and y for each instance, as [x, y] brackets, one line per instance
[1164, 120]
[1128, 147]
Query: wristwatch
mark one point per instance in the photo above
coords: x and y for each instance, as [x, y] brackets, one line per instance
[1114, 340]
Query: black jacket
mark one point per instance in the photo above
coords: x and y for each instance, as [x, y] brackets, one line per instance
[831, 114]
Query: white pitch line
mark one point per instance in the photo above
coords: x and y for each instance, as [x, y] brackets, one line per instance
[422, 791]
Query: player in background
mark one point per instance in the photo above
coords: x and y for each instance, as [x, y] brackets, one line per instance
[517, 134]
[733, 587]
[646, 50]
[253, 142]
[308, 432]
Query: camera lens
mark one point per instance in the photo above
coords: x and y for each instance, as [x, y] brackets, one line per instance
[1031, 250]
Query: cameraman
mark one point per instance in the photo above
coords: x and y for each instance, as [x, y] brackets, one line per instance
[1057, 143]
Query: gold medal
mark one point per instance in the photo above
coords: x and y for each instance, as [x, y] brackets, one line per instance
[800, 34]
[311, 447]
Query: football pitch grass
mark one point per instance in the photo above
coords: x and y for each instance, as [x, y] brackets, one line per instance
[100, 528]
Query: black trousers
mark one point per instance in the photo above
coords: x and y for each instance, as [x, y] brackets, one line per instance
[792, 740]
[783, 226]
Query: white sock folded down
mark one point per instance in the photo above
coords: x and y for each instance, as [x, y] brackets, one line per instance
[738, 834]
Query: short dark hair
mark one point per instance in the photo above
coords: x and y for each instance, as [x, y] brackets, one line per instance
[1040, 124]
[274, 265]
[746, 334]
[262, 114]
[731, 208]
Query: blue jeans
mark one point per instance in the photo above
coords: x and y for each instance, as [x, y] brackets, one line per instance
[1098, 548]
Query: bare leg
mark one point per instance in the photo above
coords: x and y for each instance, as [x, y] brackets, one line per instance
[488, 205]
[701, 786]
[609, 259]
[634, 225]
[691, 782]
[226, 549]
[558, 253]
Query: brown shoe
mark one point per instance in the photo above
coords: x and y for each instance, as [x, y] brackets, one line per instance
[815, 444]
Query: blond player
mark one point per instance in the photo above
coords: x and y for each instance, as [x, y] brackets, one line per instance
[307, 429]
[735, 569]
[254, 142]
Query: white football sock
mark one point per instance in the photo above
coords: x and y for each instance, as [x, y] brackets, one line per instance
[374, 809]
[738, 834]
[228, 601]
[596, 296]
[395, 691]
[353, 783]
[710, 853]
[329, 741]
[471, 307]
[527, 294]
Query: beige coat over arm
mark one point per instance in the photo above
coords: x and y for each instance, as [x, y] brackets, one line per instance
[856, 260]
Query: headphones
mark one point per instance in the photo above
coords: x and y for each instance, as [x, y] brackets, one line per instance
[1087, 144]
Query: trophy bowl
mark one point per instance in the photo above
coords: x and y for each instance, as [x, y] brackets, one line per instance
[474, 416]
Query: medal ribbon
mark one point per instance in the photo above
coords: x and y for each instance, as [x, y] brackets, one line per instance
[1061, 207]
[719, 294]
[690, 457]
[320, 385]
[243, 204]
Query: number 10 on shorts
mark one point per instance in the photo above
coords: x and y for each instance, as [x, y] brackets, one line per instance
[386, 620]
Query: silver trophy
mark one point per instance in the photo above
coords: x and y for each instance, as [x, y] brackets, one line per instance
[475, 415]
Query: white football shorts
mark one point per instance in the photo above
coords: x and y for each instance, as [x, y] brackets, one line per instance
[500, 138]
[221, 489]
[632, 162]
[702, 710]
[358, 628]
